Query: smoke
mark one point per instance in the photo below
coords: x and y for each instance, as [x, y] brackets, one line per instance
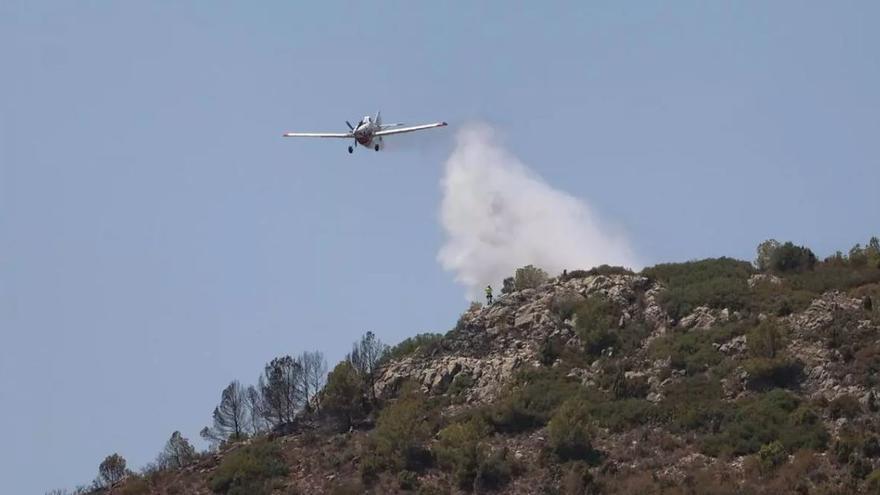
[498, 216]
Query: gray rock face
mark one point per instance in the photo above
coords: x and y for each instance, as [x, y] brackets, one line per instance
[490, 344]
[821, 313]
[763, 278]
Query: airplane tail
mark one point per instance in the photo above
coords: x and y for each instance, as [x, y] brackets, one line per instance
[379, 118]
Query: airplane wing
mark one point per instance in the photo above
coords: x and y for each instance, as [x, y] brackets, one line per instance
[401, 130]
[320, 134]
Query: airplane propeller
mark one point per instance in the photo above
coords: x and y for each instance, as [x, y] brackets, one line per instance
[349, 125]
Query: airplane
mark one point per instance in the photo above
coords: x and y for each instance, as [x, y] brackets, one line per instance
[368, 132]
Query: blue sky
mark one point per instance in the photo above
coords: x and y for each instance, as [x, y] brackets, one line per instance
[158, 238]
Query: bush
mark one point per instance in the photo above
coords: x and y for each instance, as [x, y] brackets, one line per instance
[845, 406]
[401, 430]
[494, 472]
[460, 384]
[508, 285]
[765, 340]
[606, 270]
[530, 403]
[872, 482]
[620, 415]
[578, 480]
[767, 373]
[568, 431]
[718, 283]
[423, 342]
[694, 404]
[772, 455]
[408, 480]
[459, 449]
[549, 351]
[564, 305]
[694, 352]
[134, 485]
[529, 277]
[594, 319]
[777, 415]
[248, 470]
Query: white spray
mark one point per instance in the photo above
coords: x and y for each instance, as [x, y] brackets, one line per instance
[499, 215]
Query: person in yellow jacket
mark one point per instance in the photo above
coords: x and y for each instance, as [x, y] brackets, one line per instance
[488, 295]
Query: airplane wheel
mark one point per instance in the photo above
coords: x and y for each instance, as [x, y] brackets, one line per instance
[376, 147]
[350, 149]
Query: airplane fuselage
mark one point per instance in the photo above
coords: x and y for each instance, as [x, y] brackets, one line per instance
[363, 133]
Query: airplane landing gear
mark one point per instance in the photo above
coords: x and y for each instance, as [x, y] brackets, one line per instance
[350, 149]
[376, 147]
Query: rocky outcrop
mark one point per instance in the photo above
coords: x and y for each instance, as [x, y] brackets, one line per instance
[827, 374]
[490, 344]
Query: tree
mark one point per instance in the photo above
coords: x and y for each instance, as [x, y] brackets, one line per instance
[343, 395]
[365, 357]
[231, 416]
[178, 452]
[790, 258]
[857, 256]
[112, 469]
[765, 254]
[256, 411]
[529, 277]
[872, 251]
[314, 370]
[281, 390]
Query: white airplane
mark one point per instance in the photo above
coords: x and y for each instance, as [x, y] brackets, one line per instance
[369, 132]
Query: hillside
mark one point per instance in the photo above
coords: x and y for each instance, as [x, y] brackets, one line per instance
[710, 376]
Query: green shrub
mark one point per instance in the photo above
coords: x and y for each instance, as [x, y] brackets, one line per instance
[717, 283]
[529, 277]
[248, 470]
[402, 429]
[408, 480]
[577, 480]
[549, 351]
[777, 415]
[134, 485]
[768, 373]
[827, 277]
[872, 482]
[845, 406]
[765, 340]
[564, 305]
[594, 319]
[606, 270]
[423, 342]
[531, 401]
[460, 384]
[494, 472]
[460, 450]
[568, 431]
[694, 404]
[772, 455]
[621, 415]
[693, 352]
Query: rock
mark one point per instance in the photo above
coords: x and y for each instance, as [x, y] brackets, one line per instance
[734, 346]
[492, 343]
[763, 278]
[702, 318]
